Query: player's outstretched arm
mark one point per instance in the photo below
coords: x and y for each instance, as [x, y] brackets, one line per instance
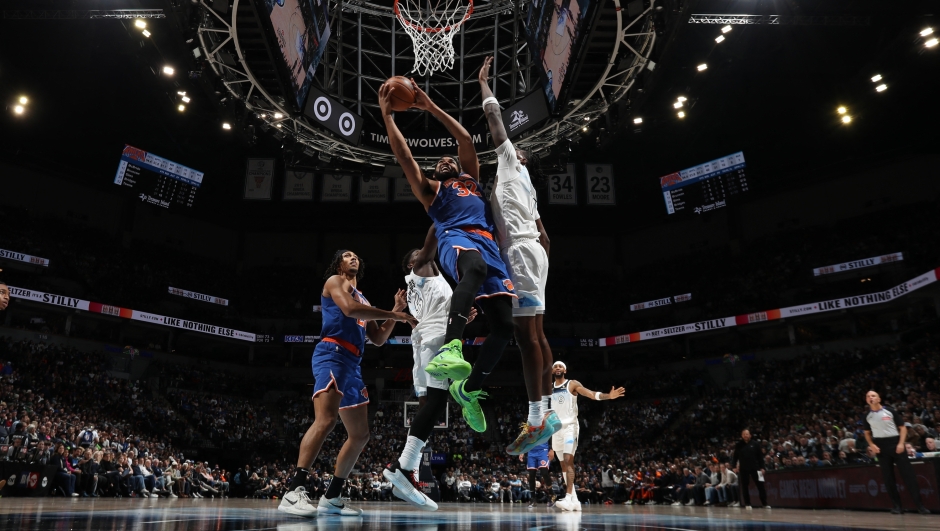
[465, 150]
[421, 186]
[378, 334]
[493, 116]
[428, 252]
[577, 388]
[350, 307]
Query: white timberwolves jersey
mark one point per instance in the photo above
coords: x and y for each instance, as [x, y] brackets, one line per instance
[564, 403]
[429, 302]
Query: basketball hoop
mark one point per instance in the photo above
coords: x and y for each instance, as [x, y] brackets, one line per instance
[431, 24]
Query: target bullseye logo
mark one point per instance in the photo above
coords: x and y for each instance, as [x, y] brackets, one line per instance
[347, 124]
[322, 108]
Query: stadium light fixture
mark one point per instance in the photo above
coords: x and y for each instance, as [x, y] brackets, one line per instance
[146, 33]
[19, 109]
[681, 114]
[726, 29]
[181, 108]
[702, 67]
[168, 70]
[584, 129]
[140, 23]
[24, 100]
[931, 43]
[846, 119]
[638, 120]
[587, 118]
[181, 92]
[681, 98]
[226, 126]
[278, 116]
[926, 31]
[719, 39]
[876, 78]
[278, 126]
[881, 88]
[677, 105]
[185, 99]
[842, 110]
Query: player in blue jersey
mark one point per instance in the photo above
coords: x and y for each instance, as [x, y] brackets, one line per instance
[339, 391]
[539, 458]
[468, 254]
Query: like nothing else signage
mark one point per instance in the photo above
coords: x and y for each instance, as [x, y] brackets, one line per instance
[525, 114]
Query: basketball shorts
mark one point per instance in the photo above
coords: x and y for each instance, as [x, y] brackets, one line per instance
[425, 348]
[565, 440]
[528, 269]
[452, 242]
[334, 366]
[537, 459]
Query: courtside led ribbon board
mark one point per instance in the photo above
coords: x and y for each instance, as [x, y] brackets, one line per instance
[858, 264]
[780, 313]
[660, 302]
[126, 313]
[198, 296]
[21, 257]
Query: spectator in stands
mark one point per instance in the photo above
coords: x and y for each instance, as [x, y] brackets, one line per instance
[728, 487]
[702, 481]
[65, 478]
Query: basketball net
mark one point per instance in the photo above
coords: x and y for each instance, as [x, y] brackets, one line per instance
[431, 24]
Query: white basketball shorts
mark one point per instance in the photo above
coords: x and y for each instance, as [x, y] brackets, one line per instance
[528, 269]
[565, 440]
[424, 351]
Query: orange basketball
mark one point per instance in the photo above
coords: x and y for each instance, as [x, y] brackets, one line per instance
[403, 93]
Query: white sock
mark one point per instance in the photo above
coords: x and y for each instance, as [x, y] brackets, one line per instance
[411, 455]
[535, 413]
[546, 403]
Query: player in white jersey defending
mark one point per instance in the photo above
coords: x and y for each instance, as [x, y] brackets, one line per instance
[428, 297]
[523, 245]
[565, 441]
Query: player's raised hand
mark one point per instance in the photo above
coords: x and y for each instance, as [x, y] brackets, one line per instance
[484, 76]
[422, 100]
[616, 393]
[401, 301]
[385, 99]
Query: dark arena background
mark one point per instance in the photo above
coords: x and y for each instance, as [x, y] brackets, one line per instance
[742, 203]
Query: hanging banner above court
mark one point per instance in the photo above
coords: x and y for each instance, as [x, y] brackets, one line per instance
[198, 296]
[336, 188]
[858, 264]
[298, 185]
[563, 188]
[374, 190]
[259, 178]
[780, 313]
[22, 257]
[600, 184]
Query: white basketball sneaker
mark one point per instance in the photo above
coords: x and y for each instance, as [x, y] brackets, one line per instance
[297, 502]
[565, 504]
[336, 506]
[404, 488]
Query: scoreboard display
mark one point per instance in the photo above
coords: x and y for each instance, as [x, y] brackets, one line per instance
[705, 187]
[156, 180]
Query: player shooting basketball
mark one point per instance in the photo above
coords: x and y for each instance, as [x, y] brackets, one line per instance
[467, 253]
[523, 245]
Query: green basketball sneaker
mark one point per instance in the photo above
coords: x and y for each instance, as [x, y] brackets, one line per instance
[470, 403]
[449, 363]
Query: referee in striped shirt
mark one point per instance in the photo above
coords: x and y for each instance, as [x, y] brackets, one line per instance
[886, 436]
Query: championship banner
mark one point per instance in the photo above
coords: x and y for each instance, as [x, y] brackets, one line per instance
[403, 190]
[126, 313]
[858, 264]
[259, 178]
[600, 184]
[198, 296]
[336, 188]
[563, 188]
[780, 313]
[373, 191]
[298, 185]
[21, 257]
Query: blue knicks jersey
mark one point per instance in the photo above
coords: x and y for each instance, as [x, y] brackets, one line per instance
[337, 326]
[459, 203]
